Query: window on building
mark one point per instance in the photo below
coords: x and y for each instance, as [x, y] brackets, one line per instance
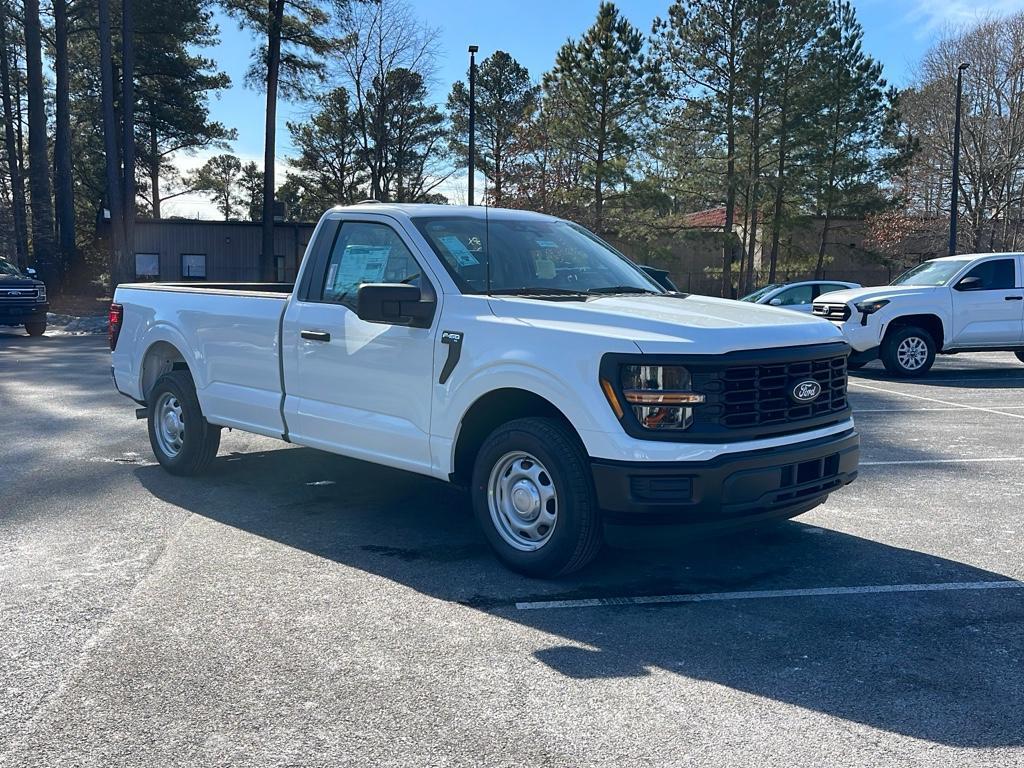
[279, 269]
[147, 266]
[193, 266]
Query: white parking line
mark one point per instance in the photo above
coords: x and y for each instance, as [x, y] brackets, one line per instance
[962, 406]
[857, 411]
[766, 594]
[939, 461]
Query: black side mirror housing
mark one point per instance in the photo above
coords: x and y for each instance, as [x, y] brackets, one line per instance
[970, 284]
[394, 304]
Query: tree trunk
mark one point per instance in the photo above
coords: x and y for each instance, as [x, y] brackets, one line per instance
[118, 258]
[780, 183]
[63, 192]
[128, 120]
[269, 148]
[19, 212]
[43, 244]
[154, 170]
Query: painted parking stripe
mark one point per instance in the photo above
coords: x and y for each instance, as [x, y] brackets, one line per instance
[767, 594]
[962, 406]
[972, 460]
[858, 411]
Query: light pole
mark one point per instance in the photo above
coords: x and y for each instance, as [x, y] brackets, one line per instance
[472, 117]
[954, 202]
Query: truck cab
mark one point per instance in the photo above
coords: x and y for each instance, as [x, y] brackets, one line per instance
[964, 303]
[514, 354]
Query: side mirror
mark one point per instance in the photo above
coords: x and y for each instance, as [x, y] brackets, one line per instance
[775, 303]
[394, 304]
[970, 284]
[30, 272]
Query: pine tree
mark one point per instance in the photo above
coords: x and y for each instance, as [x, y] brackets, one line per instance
[251, 185]
[327, 165]
[603, 82]
[220, 177]
[700, 49]
[505, 100]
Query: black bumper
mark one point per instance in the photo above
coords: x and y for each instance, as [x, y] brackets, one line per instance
[19, 314]
[734, 488]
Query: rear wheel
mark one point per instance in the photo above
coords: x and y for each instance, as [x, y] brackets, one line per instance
[35, 329]
[908, 352]
[183, 441]
[533, 496]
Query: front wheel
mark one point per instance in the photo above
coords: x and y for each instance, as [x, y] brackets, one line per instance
[183, 441]
[35, 329]
[908, 352]
[533, 496]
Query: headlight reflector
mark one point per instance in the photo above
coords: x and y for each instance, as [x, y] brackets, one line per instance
[660, 395]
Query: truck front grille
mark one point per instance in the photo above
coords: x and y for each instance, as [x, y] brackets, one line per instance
[16, 294]
[837, 312]
[760, 397]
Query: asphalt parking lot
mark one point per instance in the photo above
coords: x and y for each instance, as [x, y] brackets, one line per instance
[294, 608]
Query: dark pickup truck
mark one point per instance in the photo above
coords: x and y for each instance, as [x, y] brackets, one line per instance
[22, 299]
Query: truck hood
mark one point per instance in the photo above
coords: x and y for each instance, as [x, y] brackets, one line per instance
[673, 324]
[14, 281]
[852, 295]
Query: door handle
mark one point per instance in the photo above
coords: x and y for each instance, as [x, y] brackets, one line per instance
[316, 335]
[1013, 298]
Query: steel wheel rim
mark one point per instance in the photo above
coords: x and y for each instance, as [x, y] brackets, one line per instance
[522, 500]
[912, 353]
[169, 425]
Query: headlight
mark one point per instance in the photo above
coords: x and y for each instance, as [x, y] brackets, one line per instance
[659, 395]
[41, 294]
[870, 307]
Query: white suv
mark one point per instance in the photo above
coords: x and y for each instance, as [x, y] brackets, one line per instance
[965, 303]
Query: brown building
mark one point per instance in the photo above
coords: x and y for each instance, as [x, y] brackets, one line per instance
[223, 251]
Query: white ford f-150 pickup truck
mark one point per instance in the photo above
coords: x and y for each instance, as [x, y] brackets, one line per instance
[967, 303]
[510, 352]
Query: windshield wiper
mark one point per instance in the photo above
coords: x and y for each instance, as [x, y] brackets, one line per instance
[623, 289]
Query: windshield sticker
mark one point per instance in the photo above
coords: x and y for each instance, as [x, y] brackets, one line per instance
[461, 253]
[546, 244]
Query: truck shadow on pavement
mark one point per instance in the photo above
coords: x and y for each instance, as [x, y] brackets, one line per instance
[944, 666]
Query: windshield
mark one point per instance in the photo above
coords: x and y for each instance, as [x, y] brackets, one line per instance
[758, 295]
[529, 257]
[6, 268]
[931, 273]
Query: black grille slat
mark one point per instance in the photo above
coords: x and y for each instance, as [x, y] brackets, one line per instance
[750, 396]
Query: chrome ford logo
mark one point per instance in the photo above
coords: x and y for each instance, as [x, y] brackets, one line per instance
[806, 391]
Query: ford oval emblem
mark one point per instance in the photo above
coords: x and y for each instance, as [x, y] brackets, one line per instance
[806, 391]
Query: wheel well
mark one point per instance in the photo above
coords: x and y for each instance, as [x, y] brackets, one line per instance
[930, 323]
[162, 357]
[487, 414]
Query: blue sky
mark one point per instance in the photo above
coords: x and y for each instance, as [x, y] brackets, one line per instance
[897, 32]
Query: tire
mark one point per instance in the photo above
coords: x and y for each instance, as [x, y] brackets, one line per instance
[175, 419]
[1020, 355]
[554, 482]
[907, 345]
[35, 329]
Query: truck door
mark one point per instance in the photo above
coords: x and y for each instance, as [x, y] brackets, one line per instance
[358, 388]
[988, 305]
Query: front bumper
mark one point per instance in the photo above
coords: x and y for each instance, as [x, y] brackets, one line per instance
[17, 313]
[730, 489]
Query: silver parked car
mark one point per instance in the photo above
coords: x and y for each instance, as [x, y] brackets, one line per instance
[798, 295]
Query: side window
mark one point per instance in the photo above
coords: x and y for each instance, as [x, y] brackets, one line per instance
[996, 275]
[366, 253]
[829, 287]
[795, 296]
